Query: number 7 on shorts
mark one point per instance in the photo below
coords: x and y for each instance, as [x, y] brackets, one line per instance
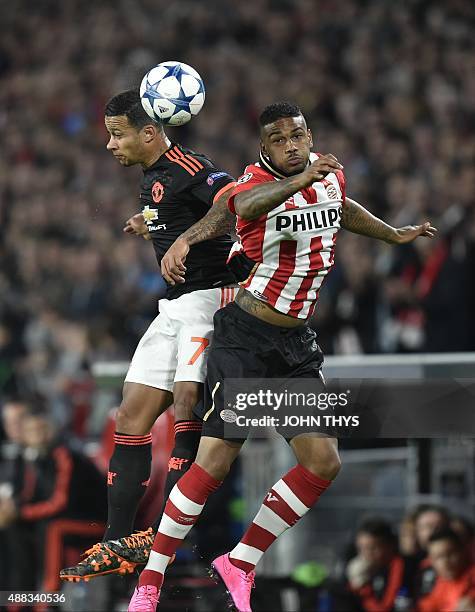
[203, 343]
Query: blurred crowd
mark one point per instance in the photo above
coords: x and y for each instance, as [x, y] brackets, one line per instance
[428, 566]
[388, 88]
[52, 497]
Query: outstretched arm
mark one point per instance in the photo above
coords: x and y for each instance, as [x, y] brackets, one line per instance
[217, 222]
[355, 218]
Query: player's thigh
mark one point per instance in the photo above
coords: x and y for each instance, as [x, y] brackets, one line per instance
[317, 453]
[194, 327]
[140, 407]
[303, 356]
[216, 456]
[193, 345]
[155, 359]
[186, 395]
[234, 353]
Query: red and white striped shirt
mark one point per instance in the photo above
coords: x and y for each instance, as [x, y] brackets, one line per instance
[293, 244]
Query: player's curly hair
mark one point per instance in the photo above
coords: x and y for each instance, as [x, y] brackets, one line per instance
[128, 103]
[278, 110]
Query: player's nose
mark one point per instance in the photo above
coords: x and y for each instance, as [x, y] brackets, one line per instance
[111, 144]
[291, 146]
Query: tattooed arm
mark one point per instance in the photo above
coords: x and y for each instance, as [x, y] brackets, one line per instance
[355, 218]
[217, 222]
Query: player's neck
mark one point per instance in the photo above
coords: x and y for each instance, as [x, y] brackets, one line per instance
[267, 164]
[156, 153]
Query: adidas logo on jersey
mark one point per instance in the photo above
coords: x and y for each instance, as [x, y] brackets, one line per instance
[310, 220]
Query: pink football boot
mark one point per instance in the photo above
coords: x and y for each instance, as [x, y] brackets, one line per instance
[144, 599]
[238, 583]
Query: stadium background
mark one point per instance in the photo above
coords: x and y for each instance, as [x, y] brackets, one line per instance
[388, 88]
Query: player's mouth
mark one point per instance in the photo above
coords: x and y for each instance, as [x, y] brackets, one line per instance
[294, 161]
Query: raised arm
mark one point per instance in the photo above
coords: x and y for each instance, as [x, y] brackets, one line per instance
[262, 198]
[355, 218]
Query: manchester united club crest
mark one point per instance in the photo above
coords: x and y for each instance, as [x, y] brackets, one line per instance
[157, 192]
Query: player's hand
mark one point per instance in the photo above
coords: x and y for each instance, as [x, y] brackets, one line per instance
[136, 225]
[173, 262]
[406, 234]
[318, 169]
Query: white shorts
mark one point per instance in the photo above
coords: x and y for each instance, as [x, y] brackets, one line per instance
[175, 346]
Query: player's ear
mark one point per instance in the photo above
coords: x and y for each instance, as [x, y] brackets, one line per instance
[149, 133]
[263, 150]
[310, 138]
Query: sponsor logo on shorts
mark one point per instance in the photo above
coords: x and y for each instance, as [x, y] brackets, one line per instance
[228, 416]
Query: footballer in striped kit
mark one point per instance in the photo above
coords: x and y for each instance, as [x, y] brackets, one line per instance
[289, 206]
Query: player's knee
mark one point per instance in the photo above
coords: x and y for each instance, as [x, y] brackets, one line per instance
[123, 419]
[217, 463]
[325, 465]
[183, 410]
[184, 402]
[216, 468]
[128, 421]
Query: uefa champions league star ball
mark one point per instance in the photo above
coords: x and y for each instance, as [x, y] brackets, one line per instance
[172, 92]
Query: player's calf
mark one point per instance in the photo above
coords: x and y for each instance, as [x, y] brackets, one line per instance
[130, 464]
[187, 435]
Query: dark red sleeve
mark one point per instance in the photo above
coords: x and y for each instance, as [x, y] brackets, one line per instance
[59, 498]
[253, 175]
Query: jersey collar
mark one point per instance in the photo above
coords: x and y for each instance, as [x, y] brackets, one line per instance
[267, 164]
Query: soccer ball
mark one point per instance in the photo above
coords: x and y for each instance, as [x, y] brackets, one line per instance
[172, 92]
